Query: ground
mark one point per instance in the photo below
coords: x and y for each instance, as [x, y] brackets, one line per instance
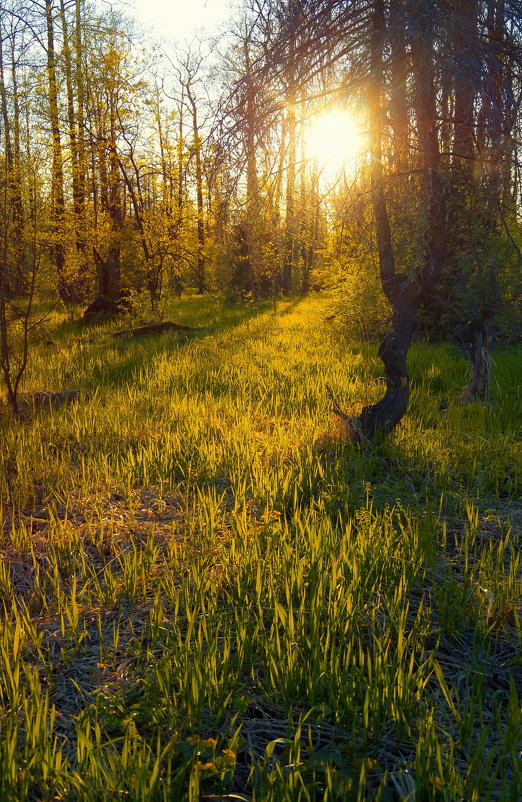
[209, 594]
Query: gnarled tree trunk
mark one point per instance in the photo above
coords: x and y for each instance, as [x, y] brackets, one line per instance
[404, 292]
[377, 420]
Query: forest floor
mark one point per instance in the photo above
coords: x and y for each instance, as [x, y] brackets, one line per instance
[208, 594]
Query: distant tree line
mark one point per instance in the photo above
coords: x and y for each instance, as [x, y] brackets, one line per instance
[126, 169]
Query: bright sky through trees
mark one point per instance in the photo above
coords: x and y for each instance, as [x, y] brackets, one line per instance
[177, 19]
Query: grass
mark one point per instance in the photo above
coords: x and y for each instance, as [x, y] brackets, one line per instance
[208, 595]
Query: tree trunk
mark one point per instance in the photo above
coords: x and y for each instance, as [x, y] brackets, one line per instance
[252, 190]
[398, 98]
[310, 214]
[377, 420]
[479, 351]
[15, 275]
[289, 243]
[77, 189]
[57, 191]
[80, 100]
[200, 253]
[109, 299]
[494, 114]
[435, 234]
[465, 51]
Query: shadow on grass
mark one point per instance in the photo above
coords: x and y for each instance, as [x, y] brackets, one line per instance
[130, 355]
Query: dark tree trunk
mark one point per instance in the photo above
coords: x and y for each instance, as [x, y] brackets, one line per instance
[404, 293]
[398, 97]
[494, 113]
[479, 351]
[109, 299]
[465, 51]
[377, 420]
[435, 234]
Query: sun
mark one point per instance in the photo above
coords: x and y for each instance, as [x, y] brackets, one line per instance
[335, 140]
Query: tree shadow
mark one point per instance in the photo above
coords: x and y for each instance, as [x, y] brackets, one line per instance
[130, 355]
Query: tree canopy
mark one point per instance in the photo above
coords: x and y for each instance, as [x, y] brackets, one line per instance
[129, 167]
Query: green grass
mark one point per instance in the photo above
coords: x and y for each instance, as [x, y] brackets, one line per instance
[206, 592]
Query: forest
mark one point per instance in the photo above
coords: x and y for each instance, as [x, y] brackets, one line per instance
[260, 414]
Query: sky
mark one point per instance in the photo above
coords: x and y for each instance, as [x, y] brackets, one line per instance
[179, 19]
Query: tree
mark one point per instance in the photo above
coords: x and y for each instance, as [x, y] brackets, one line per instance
[424, 121]
[189, 78]
[401, 290]
[57, 182]
[108, 113]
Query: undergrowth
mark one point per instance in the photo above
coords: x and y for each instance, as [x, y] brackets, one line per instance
[207, 594]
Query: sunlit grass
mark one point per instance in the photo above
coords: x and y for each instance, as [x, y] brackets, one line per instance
[206, 591]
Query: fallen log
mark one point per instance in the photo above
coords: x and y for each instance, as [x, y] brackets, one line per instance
[156, 327]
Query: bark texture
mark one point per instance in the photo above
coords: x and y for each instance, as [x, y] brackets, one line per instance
[377, 420]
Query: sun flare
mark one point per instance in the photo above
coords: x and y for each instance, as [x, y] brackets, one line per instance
[335, 140]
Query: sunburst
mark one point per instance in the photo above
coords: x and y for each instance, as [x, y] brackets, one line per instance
[335, 140]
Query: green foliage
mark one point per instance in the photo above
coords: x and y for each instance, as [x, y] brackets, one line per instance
[207, 592]
[358, 304]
